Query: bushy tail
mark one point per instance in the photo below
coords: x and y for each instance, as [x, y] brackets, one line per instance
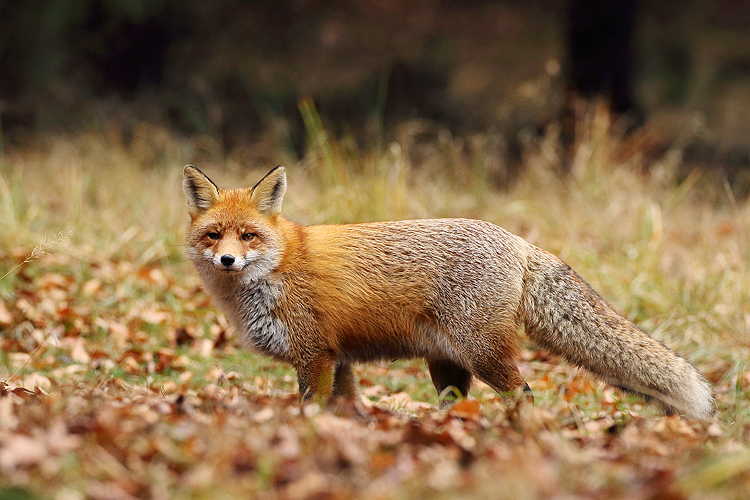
[565, 316]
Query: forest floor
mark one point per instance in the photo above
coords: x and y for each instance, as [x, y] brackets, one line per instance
[120, 380]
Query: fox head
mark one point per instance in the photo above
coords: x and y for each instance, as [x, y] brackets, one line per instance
[234, 232]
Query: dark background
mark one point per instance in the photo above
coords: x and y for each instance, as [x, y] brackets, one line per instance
[232, 69]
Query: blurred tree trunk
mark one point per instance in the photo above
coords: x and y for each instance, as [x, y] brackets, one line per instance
[600, 59]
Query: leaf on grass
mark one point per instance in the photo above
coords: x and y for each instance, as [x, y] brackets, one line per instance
[181, 336]
[37, 383]
[374, 390]
[108, 491]
[19, 391]
[403, 401]
[263, 415]
[470, 409]
[21, 451]
[41, 447]
[91, 287]
[6, 318]
[310, 485]
[417, 433]
[77, 348]
[153, 316]
[129, 365]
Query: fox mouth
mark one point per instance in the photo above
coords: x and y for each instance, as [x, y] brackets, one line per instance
[228, 270]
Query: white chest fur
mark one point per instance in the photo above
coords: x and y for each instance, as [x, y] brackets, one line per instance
[249, 306]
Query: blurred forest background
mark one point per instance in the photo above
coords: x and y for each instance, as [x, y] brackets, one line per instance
[677, 71]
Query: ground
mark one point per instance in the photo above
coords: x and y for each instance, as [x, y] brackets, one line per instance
[120, 379]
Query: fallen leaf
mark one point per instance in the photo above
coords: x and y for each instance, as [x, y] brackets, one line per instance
[34, 380]
[6, 318]
[21, 451]
[467, 408]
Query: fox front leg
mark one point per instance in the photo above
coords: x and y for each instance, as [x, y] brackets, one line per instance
[315, 377]
[343, 380]
[505, 378]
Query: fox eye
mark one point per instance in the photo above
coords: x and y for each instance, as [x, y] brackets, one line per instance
[213, 236]
[248, 236]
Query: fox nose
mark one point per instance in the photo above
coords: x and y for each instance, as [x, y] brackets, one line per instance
[227, 260]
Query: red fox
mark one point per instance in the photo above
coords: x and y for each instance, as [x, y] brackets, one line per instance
[452, 291]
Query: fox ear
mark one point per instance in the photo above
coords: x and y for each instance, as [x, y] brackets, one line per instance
[200, 192]
[269, 192]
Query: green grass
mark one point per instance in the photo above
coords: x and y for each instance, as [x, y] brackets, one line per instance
[151, 396]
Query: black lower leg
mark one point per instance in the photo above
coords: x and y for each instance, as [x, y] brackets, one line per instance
[447, 374]
[343, 380]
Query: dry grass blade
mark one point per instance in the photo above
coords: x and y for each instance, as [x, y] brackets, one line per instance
[45, 247]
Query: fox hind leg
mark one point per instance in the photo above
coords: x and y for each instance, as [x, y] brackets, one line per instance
[447, 374]
[343, 400]
[503, 376]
